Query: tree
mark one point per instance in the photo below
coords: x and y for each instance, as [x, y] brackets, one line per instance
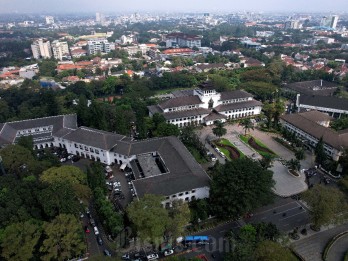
[279, 109]
[344, 162]
[26, 142]
[166, 129]
[244, 244]
[247, 125]
[266, 161]
[149, 217]
[240, 186]
[179, 215]
[294, 164]
[272, 251]
[20, 239]
[300, 154]
[63, 238]
[320, 155]
[327, 205]
[71, 175]
[268, 109]
[219, 129]
[58, 198]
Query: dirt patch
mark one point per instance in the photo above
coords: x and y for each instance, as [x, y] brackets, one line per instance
[233, 152]
[256, 146]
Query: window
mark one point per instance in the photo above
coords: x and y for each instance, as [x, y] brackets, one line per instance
[91, 150]
[76, 145]
[81, 147]
[174, 196]
[167, 197]
[181, 194]
[96, 151]
[193, 191]
[187, 192]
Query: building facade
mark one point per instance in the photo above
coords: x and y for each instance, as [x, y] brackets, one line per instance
[96, 46]
[182, 40]
[310, 126]
[60, 50]
[205, 105]
[41, 49]
[161, 166]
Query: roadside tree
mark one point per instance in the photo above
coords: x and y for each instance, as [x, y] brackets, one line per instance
[219, 129]
[327, 205]
[247, 125]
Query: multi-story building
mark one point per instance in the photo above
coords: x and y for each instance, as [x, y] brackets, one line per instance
[60, 50]
[292, 24]
[329, 21]
[49, 19]
[41, 49]
[96, 46]
[311, 126]
[204, 106]
[161, 166]
[182, 40]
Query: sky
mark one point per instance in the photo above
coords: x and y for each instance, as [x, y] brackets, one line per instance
[116, 6]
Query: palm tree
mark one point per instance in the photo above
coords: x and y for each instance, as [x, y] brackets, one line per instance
[247, 125]
[294, 164]
[219, 129]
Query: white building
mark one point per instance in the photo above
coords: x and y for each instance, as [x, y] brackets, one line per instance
[182, 40]
[60, 50]
[41, 49]
[161, 166]
[96, 46]
[49, 20]
[311, 126]
[204, 106]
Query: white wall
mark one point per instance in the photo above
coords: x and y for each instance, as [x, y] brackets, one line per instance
[187, 196]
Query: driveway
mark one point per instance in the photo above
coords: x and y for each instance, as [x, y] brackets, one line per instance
[286, 184]
[338, 249]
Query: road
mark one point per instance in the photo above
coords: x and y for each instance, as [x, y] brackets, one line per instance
[296, 216]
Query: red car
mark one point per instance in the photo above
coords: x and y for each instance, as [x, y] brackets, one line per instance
[87, 229]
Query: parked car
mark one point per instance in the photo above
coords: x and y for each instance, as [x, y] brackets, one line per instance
[168, 252]
[106, 252]
[92, 222]
[96, 231]
[99, 240]
[75, 158]
[152, 257]
[87, 229]
[126, 257]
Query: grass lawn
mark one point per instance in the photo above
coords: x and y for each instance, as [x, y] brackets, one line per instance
[166, 91]
[224, 151]
[227, 142]
[198, 157]
[262, 153]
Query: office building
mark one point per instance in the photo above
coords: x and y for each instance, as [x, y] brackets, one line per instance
[96, 46]
[204, 105]
[293, 24]
[329, 21]
[182, 40]
[60, 50]
[49, 19]
[161, 166]
[41, 49]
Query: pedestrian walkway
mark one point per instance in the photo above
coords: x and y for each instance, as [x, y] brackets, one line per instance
[233, 137]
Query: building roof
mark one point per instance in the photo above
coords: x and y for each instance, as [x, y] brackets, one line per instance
[184, 173]
[95, 138]
[181, 93]
[178, 50]
[60, 124]
[180, 101]
[214, 116]
[237, 105]
[316, 116]
[186, 113]
[335, 139]
[230, 95]
[316, 87]
[325, 102]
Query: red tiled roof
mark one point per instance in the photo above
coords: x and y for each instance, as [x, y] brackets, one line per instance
[178, 50]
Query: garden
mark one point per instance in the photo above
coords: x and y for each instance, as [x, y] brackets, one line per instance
[257, 145]
[228, 149]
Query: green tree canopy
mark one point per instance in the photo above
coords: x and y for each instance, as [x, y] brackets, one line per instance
[272, 251]
[20, 239]
[63, 238]
[71, 175]
[219, 129]
[149, 217]
[179, 216]
[320, 155]
[240, 186]
[26, 142]
[247, 125]
[327, 204]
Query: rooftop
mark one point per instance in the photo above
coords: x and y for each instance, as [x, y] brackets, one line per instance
[237, 105]
[180, 101]
[316, 87]
[325, 102]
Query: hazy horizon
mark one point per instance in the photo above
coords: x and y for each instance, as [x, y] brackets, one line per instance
[112, 6]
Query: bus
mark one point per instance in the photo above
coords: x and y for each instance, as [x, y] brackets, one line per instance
[199, 240]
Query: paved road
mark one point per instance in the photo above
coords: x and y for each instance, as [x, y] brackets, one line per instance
[311, 248]
[339, 249]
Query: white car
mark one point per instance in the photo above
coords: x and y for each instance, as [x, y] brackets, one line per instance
[168, 252]
[96, 231]
[152, 257]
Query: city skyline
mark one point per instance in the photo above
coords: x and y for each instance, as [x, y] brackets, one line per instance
[109, 6]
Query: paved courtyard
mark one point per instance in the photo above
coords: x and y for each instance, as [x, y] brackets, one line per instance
[287, 184]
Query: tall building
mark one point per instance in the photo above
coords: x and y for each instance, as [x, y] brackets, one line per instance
[97, 17]
[293, 24]
[41, 49]
[334, 20]
[96, 46]
[60, 50]
[49, 20]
